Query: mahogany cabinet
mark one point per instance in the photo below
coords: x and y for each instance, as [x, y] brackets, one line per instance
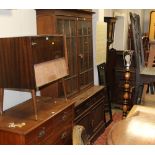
[31, 62]
[54, 124]
[76, 25]
[89, 111]
[21, 58]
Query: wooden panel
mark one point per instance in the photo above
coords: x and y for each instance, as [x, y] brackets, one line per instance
[16, 67]
[44, 23]
[19, 54]
[89, 110]
[47, 48]
[47, 72]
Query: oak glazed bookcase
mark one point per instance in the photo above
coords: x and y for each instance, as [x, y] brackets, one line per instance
[76, 25]
[89, 100]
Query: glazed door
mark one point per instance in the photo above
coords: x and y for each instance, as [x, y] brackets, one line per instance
[67, 26]
[85, 53]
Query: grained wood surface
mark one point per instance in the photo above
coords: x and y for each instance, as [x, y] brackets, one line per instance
[19, 54]
[137, 129]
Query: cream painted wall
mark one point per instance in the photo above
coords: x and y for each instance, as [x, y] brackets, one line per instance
[16, 23]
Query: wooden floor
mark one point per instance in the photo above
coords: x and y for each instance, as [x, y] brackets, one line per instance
[101, 140]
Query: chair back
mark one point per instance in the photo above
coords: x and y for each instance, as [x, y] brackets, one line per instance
[101, 73]
[79, 136]
[137, 40]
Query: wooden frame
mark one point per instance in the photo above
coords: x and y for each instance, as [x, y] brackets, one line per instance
[32, 62]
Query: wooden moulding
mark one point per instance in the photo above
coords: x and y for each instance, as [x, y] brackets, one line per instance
[49, 71]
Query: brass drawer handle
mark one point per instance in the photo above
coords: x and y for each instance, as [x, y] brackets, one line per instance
[41, 133]
[63, 135]
[33, 43]
[64, 117]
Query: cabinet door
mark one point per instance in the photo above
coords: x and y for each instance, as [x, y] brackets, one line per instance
[85, 53]
[97, 117]
[85, 121]
[67, 26]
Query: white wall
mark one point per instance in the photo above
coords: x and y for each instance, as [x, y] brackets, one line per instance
[99, 40]
[16, 23]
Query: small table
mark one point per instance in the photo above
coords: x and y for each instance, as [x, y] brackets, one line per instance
[138, 128]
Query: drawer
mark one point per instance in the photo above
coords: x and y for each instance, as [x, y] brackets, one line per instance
[83, 107]
[51, 128]
[60, 135]
[64, 117]
[99, 95]
[40, 133]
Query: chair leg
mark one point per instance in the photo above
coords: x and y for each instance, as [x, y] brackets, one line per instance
[34, 101]
[138, 94]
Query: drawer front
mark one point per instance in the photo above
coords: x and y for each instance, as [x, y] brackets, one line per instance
[58, 127]
[60, 135]
[40, 133]
[47, 48]
[83, 107]
[63, 118]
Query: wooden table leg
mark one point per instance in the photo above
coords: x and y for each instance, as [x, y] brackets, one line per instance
[33, 93]
[1, 100]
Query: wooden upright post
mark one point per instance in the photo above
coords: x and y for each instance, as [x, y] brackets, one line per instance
[34, 101]
[1, 100]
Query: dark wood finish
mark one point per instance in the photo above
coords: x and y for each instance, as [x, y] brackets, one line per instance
[103, 81]
[116, 79]
[54, 124]
[18, 55]
[24, 62]
[77, 26]
[90, 111]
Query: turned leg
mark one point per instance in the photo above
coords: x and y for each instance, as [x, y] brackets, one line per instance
[1, 100]
[126, 95]
[34, 101]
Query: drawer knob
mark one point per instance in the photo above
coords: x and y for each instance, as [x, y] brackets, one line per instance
[41, 133]
[64, 117]
[33, 43]
[63, 135]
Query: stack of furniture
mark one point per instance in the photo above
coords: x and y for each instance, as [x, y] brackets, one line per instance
[65, 80]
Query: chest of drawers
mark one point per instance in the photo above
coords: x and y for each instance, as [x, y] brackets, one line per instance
[54, 124]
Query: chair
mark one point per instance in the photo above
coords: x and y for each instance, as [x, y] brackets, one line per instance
[102, 81]
[144, 75]
[79, 136]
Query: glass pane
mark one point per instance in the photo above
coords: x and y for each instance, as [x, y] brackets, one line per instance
[86, 44]
[74, 55]
[60, 26]
[89, 24]
[85, 28]
[79, 28]
[73, 27]
[66, 27]
[90, 53]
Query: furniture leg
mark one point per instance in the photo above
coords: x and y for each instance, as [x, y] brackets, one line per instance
[34, 101]
[1, 100]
